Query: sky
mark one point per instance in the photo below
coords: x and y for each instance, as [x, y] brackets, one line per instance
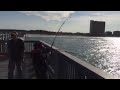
[79, 21]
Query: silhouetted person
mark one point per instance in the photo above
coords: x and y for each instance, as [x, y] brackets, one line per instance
[39, 60]
[15, 53]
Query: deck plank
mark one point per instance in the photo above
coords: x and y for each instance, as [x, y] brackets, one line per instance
[3, 69]
[28, 71]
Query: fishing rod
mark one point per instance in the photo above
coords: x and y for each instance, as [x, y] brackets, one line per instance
[50, 69]
[59, 30]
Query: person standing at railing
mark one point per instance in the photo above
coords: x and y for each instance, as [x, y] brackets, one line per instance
[38, 56]
[15, 48]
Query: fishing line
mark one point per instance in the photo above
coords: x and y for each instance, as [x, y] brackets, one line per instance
[59, 30]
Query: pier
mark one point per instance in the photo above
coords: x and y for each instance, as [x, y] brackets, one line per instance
[62, 65]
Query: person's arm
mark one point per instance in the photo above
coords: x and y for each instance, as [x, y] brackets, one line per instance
[22, 48]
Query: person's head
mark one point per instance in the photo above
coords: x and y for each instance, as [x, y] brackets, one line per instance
[14, 35]
[37, 45]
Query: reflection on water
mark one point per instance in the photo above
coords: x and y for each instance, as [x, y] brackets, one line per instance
[102, 52]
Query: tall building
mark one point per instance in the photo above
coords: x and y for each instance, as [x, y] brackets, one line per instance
[97, 27]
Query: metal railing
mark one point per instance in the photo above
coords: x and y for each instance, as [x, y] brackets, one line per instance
[28, 46]
[65, 66]
[3, 47]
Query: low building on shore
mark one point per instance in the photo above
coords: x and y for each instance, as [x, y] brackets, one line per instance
[116, 33]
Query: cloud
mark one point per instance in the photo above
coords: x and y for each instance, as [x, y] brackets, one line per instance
[49, 15]
[80, 21]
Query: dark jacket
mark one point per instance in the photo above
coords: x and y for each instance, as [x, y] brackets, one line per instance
[39, 59]
[15, 49]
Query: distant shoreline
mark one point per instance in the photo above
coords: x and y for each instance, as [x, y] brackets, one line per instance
[45, 32]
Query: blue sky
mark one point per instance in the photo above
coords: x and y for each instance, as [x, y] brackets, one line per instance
[51, 20]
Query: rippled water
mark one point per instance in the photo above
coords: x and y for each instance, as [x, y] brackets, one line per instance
[102, 52]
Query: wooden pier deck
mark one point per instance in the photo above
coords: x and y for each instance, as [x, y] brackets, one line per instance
[28, 70]
[4, 69]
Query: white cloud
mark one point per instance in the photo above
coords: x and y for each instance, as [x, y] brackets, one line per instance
[49, 15]
[80, 22]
